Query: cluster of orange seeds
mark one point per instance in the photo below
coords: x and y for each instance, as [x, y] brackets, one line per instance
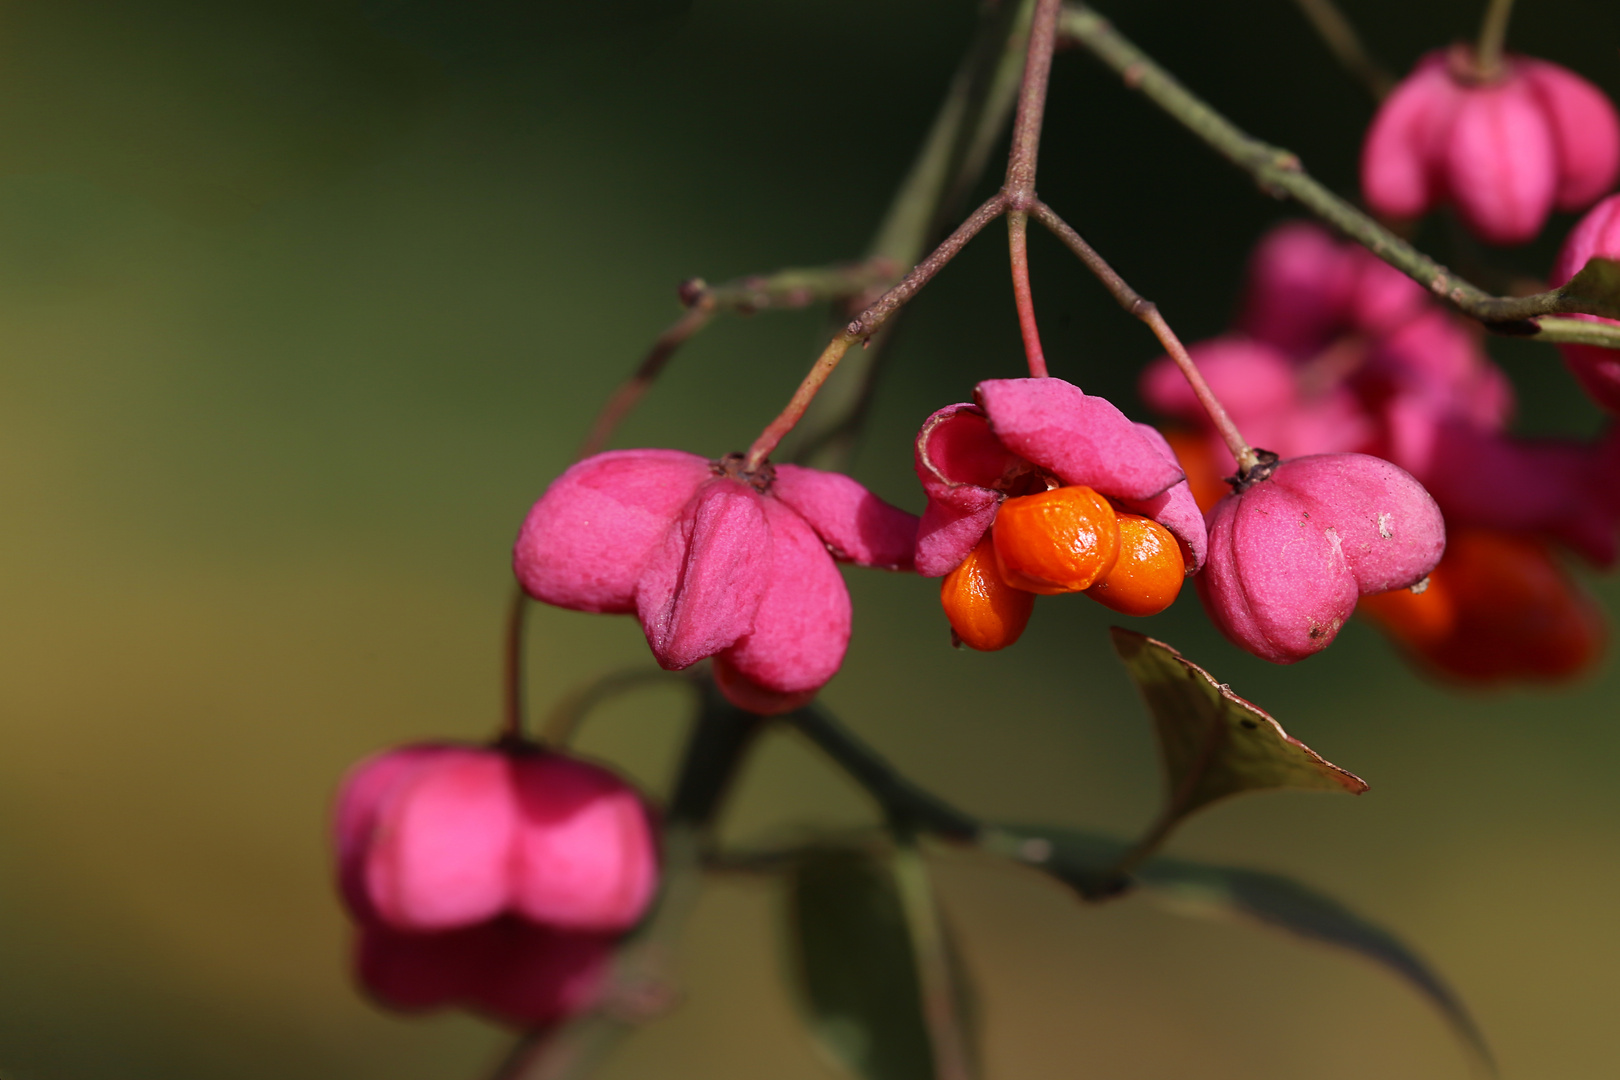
[1065, 540]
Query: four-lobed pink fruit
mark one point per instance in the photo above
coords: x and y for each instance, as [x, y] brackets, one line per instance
[491, 876]
[1505, 149]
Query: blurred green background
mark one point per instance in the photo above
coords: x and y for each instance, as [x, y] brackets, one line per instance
[302, 303]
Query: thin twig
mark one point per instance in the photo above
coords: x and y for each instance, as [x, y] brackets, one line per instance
[863, 325]
[785, 289]
[1023, 297]
[1019, 189]
[1026, 141]
[1492, 38]
[902, 801]
[1339, 35]
[1133, 302]
[565, 717]
[1279, 172]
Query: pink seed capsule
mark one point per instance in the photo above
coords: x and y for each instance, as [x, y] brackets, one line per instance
[713, 562]
[1290, 554]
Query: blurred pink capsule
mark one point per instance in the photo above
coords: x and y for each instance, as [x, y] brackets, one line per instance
[1504, 151]
[1596, 235]
[1290, 554]
[1585, 131]
[1483, 479]
[1024, 431]
[1298, 290]
[1400, 173]
[437, 837]
[1264, 393]
[1439, 360]
[715, 563]
[1306, 288]
[1500, 165]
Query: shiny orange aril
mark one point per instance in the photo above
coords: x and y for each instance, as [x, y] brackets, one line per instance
[1147, 576]
[985, 612]
[1057, 541]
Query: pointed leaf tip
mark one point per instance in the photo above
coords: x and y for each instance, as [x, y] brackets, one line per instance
[1214, 743]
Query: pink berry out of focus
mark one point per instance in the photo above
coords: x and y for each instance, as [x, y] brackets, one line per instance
[491, 877]
[1596, 235]
[1504, 150]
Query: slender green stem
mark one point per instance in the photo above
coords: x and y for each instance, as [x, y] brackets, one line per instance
[1492, 38]
[901, 800]
[1339, 35]
[1279, 173]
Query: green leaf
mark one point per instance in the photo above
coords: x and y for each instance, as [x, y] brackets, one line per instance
[1214, 743]
[1220, 892]
[1596, 287]
[856, 969]
[1085, 861]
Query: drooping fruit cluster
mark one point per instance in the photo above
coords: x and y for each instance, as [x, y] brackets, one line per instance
[1335, 352]
[499, 878]
[1041, 489]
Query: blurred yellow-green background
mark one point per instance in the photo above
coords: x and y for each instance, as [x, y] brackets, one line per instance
[302, 302]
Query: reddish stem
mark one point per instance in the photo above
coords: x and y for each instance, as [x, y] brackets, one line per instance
[862, 327]
[1018, 241]
[1133, 302]
[1019, 188]
[1026, 141]
[631, 391]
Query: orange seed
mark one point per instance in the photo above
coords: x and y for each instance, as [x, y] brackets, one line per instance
[1057, 541]
[1148, 574]
[986, 613]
